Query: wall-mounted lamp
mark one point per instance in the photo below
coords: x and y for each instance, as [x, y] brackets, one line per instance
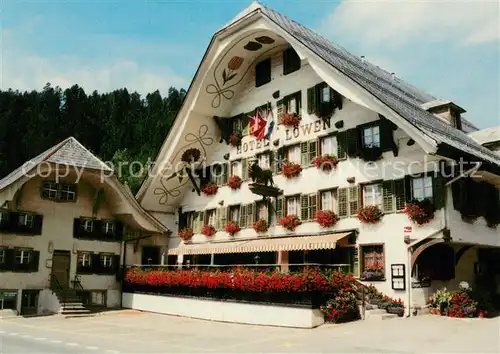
[50, 247]
[410, 142]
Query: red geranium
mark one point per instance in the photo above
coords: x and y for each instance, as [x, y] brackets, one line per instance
[325, 162]
[232, 228]
[208, 230]
[186, 233]
[290, 222]
[291, 169]
[235, 139]
[210, 189]
[326, 218]
[290, 120]
[370, 214]
[234, 182]
[420, 212]
[260, 226]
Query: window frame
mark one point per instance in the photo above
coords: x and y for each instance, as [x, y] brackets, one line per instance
[288, 55]
[102, 260]
[71, 191]
[29, 220]
[105, 231]
[19, 258]
[83, 224]
[49, 187]
[334, 142]
[363, 249]
[239, 163]
[296, 197]
[333, 201]
[371, 128]
[89, 260]
[230, 210]
[267, 155]
[380, 203]
[423, 178]
[287, 153]
[261, 204]
[208, 213]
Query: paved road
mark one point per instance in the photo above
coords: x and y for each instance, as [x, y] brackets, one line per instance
[135, 332]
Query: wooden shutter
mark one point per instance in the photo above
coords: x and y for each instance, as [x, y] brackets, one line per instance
[342, 145]
[280, 156]
[223, 217]
[439, 191]
[352, 142]
[263, 72]
[313, 151]
[279, 209]
[116, 264]
[242, 216]
[304, 154]
[354, 200]
[119, 231]
[9, 263]
[245, 119]
[280, 109]
[225, 168]
[304, 207]
[458, 190]
[313, 205]
[96, 263]
[408, 188]
[388, 196]
[250, 214]
[399, 194]
[14, 221]
[244, 169]
[312, 100]
[386, 137]
[37, 224]
[97, 229]
[272, 162]
[342, 202]
[34, 261]
[76, 228]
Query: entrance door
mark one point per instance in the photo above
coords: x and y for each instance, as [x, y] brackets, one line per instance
[29, 303]
[150, 255]
[61, 261]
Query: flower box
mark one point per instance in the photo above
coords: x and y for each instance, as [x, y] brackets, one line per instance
[186, 234]
[235, 139]
[326, 218]
[234, 182]
[370, 214]
[373, 273]
[232, 228]
[208, 230]
[291, 169]
[395, 310]
[290, 222]
[290, 120]
[260, 226]
[326, 162]
[420, 212]
[210, 189]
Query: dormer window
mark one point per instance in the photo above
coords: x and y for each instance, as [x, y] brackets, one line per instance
[371, 136]
[291, 61]
[68, 192]
[26, 220]
[58, 191]
[263, 72]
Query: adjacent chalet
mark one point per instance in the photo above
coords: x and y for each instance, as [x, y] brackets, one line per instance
[289, 150]
[64, 218]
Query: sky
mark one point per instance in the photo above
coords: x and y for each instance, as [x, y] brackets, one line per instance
[448, 48]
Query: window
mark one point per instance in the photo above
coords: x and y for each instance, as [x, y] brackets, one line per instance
[68, 192]
[372, 195]
[108, 227]
[3, 217]
[292, 205]
[22, 256]
[263, 72]
[325, 94]
[3, 254]
[84, 259]
[210, 217]
[26, 220]
[371, 136]
[106, 260]
[291, 106]
[262, 211]
[328, 200]
[372, 256]
[97, 298]
[329, 145]
[50, 190]
[264, 161]
[293, 153]
[291, 61]
[421, 188]
[234, 213]
[236, 169]
[87, 225]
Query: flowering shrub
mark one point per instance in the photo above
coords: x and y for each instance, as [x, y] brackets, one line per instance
[208, 230]
[341, 308]
[420, 212]
[290, 120]
[384, 303]
[461, 305]
[260, 226]
[186, 233]
[375, 272]
[291, 169]
[234, 182]
[232, 228]
[210, 189]
[235, 139]
[396, 306]
[325, 162]
[370, 214]
[326, 218]
[290, 222]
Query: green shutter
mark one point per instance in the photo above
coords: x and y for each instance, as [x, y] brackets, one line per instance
[355, 261]
[342, 202]
[313, 151]
[243, 216]
[342, 145]
[223, 217]
[251, 212]
[312, 100]
[272, 162]
[225, 169]
[279, 209]
[304, 207]
[399, 194]
[388, 196]
[313, 205]
[439, 191]
[352, 142]
[386, 137]
[245, 119]
[279, 159]
[304, 154]
[280, 108]
[244, 169]
[354, 200]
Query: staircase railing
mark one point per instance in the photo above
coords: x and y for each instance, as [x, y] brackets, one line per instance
[58, 288]
[77, 283]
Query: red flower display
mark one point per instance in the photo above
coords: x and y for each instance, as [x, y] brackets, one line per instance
[420, 212]
[290, 120]
[325, 162]
[208, 230]
[290, 222]
[260, 226]
[370, 214]
[326, 218]
[186, 233]
[210, 189]
[232, 228]
[235, 139]
[234, 182]
[291, 169]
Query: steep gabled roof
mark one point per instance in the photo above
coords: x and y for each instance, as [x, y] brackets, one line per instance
[486, 136]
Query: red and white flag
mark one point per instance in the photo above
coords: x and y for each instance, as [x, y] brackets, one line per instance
[257, 125]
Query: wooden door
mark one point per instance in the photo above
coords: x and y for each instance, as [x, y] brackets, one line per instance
[61, 261]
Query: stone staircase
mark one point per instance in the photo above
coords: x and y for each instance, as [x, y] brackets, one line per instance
[72, 304]
[373, 313]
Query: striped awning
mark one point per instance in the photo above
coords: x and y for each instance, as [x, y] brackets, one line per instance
[298, 243]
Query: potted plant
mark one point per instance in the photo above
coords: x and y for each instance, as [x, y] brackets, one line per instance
[290, 120]
[326, 218]
[396, 307]
[208, 230]
[326, 162]
[260, 226]
[186, 234]
[232, 228]
[234, 182]
[210, 189]
[290, 222]
[375, 272]
[235, 139]
[420, 212]
[370, 214]
[291, 169]
[384, 303]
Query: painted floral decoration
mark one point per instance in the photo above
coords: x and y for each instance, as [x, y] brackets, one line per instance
[290, 222]
[290, 120]
[260, 226]
[186, 234]
[326, 162]
[326, 218]
[208, 230]
[210, 189]
[233, 65]
[232, 228]
[370, 214]
[291, 169]
[235, 139]
[420, 212]
[375, 272]
[191, 155]
[234, 182]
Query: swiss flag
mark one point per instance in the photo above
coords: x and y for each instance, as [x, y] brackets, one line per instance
[257, 125]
